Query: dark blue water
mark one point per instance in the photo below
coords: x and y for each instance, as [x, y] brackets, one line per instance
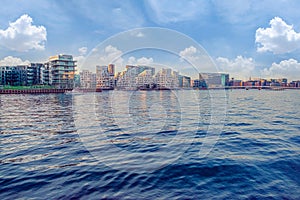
[147, 145]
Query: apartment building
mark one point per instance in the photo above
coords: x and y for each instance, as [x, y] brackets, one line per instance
[61, 70]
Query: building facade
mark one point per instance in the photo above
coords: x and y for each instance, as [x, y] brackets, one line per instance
[34, 74]
[135, 77]
[61, 71]
[215, 80]
[105, 77]
[184, 81]
[127, 79]
[167, 79]
[45, 74]
[199, 84]
[87, 79]
[145, 79]
[13, 75]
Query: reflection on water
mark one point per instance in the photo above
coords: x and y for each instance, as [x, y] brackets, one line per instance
[145, 145]
[26, 120]
[145, 129]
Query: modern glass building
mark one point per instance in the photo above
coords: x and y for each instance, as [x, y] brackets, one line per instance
[201, 84]
[13, 75]
[34, 75]
[45, 74]
[184, 81]
[61, 71]
[215, 80]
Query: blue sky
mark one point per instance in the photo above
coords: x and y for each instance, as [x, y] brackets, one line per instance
[244, 38]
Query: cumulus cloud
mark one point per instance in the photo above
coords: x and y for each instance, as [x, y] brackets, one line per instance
[94, 50]
[239, 68]
[140, 61]
[279, 38]
[140, 34]
[81, 57]
[196, 59]
[12, 61]
[104, 56]
[285, 69]
[80, 60]
[21, 35]
[189, 53]
[111, 54]
[82, 50]
[137, 34]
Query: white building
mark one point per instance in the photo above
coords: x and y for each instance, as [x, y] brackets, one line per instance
[214, 80]
[87, 79]
[127, 79]
[145, 79]
[166, 78]
[105, 77]
[134, 77]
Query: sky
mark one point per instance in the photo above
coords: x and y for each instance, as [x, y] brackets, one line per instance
[243, 38]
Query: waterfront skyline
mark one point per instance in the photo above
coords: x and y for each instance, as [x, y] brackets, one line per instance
[60, 72]
[132, 76]
[247, 41]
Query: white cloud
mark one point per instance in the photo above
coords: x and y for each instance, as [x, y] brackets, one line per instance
[82, 50]
[138, 34]
[12, 61]
[239, 68]
[285, 69]
[140, 61]
[189, 53]
[21, 35]
[94, 50]
[80, 60]
[100, 56]
[197, 60]
[81, 57]
[279, 38]
[109, 55]
[131, 60]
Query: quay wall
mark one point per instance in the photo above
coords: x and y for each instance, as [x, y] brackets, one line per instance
[32, 91]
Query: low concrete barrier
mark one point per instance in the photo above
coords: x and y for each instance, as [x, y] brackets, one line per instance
[33, 91]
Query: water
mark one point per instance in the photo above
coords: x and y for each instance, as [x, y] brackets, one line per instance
[147, 145]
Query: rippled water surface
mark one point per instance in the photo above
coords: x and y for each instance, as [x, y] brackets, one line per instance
[147, 145]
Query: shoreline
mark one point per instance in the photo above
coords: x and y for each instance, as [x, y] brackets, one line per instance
[33, 91]
[55, 91]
